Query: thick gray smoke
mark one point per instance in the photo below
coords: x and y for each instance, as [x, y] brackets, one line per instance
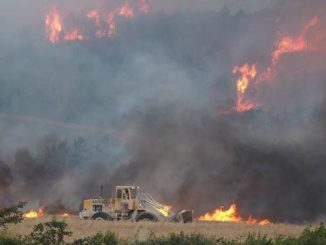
[147, 107]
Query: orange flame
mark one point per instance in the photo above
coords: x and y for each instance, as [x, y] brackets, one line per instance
[53, 25]
[104, 22]
[290, 44]
[126, 11]
[230, 215]
[111, 23]
[144, 5]
[248, 73]
[74, 35]
[32, 214]
[286, 44]
[95, 15]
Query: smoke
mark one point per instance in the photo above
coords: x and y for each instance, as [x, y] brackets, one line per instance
[147, 107]
[205, 5]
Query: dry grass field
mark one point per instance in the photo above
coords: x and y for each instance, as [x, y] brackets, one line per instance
[141, 231]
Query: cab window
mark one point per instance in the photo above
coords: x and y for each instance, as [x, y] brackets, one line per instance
[133, 193]
[119, 193]
[125, 194]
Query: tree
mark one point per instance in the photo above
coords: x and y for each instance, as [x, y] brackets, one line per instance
[11, 215]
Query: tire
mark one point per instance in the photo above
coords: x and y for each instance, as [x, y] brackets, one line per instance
[185, 216]
[187, 220]
[101, 216]
[146, 217]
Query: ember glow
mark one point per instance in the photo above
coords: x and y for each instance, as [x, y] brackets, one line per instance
[230, 215]
[104, 22]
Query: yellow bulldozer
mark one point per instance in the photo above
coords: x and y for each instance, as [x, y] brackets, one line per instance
[128, 204]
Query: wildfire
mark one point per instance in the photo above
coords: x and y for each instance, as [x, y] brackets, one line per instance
[290, 44]
[144, 5]
[32, 214]
[104, 21]
[111, 23]
[165, 210]
[53, 25]
[126, 11]
[95, 15]
[230, 215]
[286, 44]
[248, 73]
[74, 35]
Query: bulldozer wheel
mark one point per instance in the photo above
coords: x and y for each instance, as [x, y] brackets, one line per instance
[185, 216]
[101, 216]
[146, 217]
[187, 220]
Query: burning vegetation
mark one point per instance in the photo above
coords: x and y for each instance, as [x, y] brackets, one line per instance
[104, 21]
[231, 215]
[32, 214]
[250, 80]
[134, 93]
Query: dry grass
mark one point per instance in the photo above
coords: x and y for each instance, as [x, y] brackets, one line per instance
[129, 230]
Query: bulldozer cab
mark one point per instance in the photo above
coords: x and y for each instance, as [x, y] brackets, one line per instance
[95, 205]
[125, 198]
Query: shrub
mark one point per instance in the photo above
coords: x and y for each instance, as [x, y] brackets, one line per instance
[11, 215]
[6, 239]
[49, 233]
[179, 239]
[313, 237]
[110, 238]
[253, 239]
[99, 239]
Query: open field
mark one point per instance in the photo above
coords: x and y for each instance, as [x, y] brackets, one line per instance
[130, 231]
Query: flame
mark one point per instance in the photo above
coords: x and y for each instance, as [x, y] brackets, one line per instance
[74, 35]
[95, 15]
[144, 5]
[286, 44]
[248, 73]
[165, 210]
[32, 214]
[290, 44]
[111, 23]
[65, 215]
[53, 23]
[126, 11]
[230, 215]
[104, 21]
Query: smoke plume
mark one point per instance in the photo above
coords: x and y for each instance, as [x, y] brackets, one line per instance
[154, 104]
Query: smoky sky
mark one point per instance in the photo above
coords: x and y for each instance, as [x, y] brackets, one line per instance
[147, 107]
